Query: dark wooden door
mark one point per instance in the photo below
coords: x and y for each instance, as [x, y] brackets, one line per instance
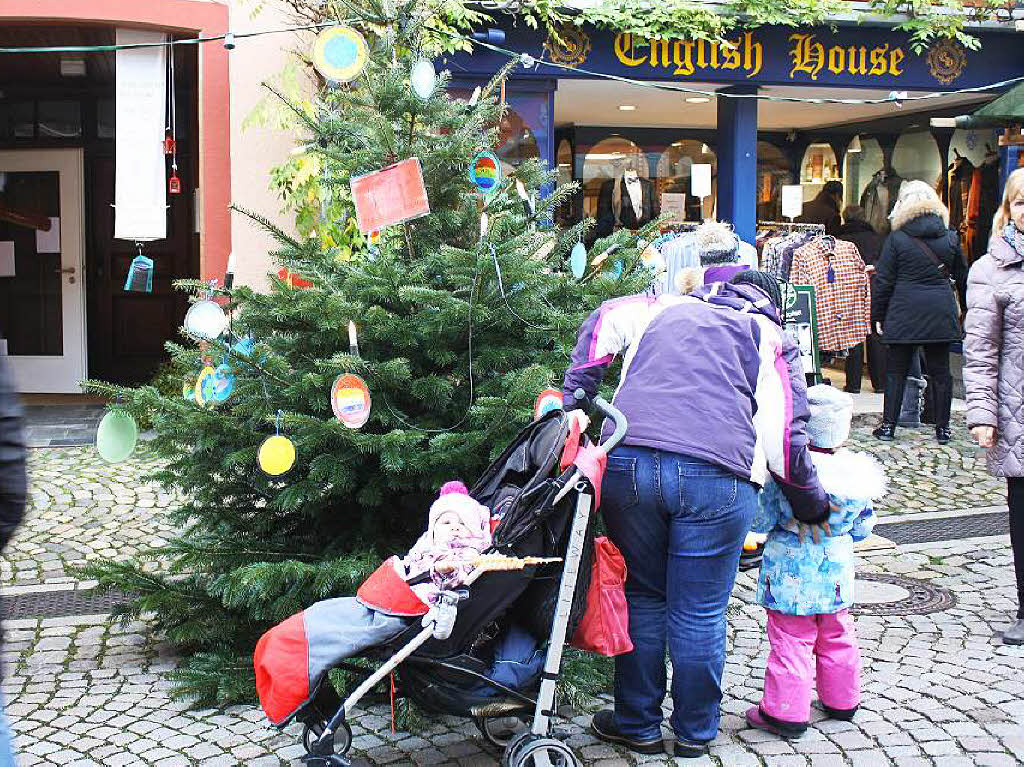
[127, 330]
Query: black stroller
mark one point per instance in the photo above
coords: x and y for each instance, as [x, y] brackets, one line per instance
[544, 512]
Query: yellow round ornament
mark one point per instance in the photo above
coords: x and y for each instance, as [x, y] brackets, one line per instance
[276, 455]
[340, 54]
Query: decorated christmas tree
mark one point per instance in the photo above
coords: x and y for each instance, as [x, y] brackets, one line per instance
[461, 316]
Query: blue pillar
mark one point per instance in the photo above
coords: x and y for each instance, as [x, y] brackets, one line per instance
[737, 162]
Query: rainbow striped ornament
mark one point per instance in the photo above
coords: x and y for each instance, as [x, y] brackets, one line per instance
[485, 172]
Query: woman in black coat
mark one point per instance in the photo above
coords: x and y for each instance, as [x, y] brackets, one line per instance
[913, 303]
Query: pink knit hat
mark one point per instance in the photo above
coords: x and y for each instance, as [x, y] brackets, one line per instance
[454, 497]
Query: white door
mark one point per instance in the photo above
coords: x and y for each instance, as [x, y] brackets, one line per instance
[42, 285]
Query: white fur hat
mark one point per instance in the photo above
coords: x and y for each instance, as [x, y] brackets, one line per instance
[916, 199]
[831, 414]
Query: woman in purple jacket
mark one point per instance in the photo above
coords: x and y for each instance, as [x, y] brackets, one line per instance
[715, 398]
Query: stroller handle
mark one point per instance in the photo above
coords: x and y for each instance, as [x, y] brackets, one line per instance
[608, 410]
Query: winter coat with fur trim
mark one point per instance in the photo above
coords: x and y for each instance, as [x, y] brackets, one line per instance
[994, 354]
[910, 296]
[807, 578]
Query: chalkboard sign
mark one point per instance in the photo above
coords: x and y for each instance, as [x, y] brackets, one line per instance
[800, 318]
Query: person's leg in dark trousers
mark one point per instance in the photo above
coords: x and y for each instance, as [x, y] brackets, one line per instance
[898, 361]
[854, 369]
[876, 361]
[638, 525]
[1015, 499]
[710, 512]
[936, 358]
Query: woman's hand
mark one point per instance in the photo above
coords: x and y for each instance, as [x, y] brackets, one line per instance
[985, 436]
[878, 329]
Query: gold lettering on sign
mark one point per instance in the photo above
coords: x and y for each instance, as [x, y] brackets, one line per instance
[625, 51]
[810, 57]
[685, 57]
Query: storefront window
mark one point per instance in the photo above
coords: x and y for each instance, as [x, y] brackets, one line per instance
[916, 157]
[859, 169]
[674, 171]
[563, 162]
[609, 159]
[516, 142]
[818, 167]
[773, 172]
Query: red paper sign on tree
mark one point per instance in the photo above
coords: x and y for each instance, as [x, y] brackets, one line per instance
[390, 196]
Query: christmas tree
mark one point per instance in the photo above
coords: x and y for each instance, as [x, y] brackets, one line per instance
[463, 317]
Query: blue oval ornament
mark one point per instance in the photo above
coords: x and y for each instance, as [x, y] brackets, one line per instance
[340, 54]
[578, 260]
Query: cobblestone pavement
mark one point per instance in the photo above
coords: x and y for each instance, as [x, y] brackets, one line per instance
[938, 689]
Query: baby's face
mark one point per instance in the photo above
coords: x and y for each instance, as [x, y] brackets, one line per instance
[448, 527]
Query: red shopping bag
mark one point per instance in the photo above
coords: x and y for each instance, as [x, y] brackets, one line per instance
[605, 625]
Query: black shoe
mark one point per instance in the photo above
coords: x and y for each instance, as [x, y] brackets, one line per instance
[604, 727]
[885, 432]
[843, 714]
[686, 750]
[942, 435]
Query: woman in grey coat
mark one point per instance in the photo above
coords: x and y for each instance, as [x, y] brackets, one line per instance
[994, 367]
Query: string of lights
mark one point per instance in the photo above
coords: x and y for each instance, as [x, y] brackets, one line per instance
[229, 39]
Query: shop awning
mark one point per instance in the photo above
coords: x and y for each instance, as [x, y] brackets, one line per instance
[1007, 108]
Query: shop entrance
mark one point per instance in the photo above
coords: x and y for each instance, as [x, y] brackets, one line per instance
[64, 312]
[42, 297]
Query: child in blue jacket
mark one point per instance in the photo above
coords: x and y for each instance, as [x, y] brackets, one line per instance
[807, 585]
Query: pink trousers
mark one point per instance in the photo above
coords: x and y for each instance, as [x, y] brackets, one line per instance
[798, 641]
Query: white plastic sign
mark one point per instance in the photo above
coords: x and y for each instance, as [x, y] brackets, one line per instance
[792, 200]
[700, 180]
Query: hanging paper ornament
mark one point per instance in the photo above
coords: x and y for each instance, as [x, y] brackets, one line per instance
[140, 275]
[616, 270]
[423, 78]
[578, 260]
[390, 196]
[485, 172]
[116, 436]
[528, 204]
[174, 183]
[215, 385]
[188, 389]
[544, 250]
[475, 97]
[350, 400]
[276, 455]
[547, 400]
[340, 54]
[205, 319]
[293, 280]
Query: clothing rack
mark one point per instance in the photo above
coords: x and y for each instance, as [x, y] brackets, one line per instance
[792, 225]
[681, 226]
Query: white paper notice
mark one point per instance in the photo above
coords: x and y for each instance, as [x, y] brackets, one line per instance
[49, 242]
[140, 180]
[674, 204]
[792, 200]
[6, 259]
[700, 180]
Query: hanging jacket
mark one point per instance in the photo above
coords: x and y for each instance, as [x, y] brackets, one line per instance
[912, 298]
[879, 198]
[807, 578]
[711, 375]
[841, 293]
[993, 350]
[650, 207]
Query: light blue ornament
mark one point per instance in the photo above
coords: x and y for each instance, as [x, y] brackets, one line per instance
[578, 260]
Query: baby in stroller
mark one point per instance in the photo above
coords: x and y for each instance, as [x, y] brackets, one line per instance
[399, 591]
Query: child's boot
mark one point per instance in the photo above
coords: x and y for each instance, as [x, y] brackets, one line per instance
[756, 717]
[843, 714]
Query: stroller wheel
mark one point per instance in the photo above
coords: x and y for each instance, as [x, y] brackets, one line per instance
[499, 730]
[342, 736]
[528, 750]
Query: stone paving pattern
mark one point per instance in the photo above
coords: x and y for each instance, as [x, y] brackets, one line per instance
[939, 691]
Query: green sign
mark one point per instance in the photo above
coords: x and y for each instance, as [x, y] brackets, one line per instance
[800, 318]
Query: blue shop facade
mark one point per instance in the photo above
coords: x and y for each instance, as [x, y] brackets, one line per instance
[669, 105]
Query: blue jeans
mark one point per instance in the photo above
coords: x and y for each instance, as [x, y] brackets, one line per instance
[680, 524]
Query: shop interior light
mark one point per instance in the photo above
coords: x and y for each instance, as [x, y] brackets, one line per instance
[705, 149]
[697, 100]
[855, 145]
[627, 107]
